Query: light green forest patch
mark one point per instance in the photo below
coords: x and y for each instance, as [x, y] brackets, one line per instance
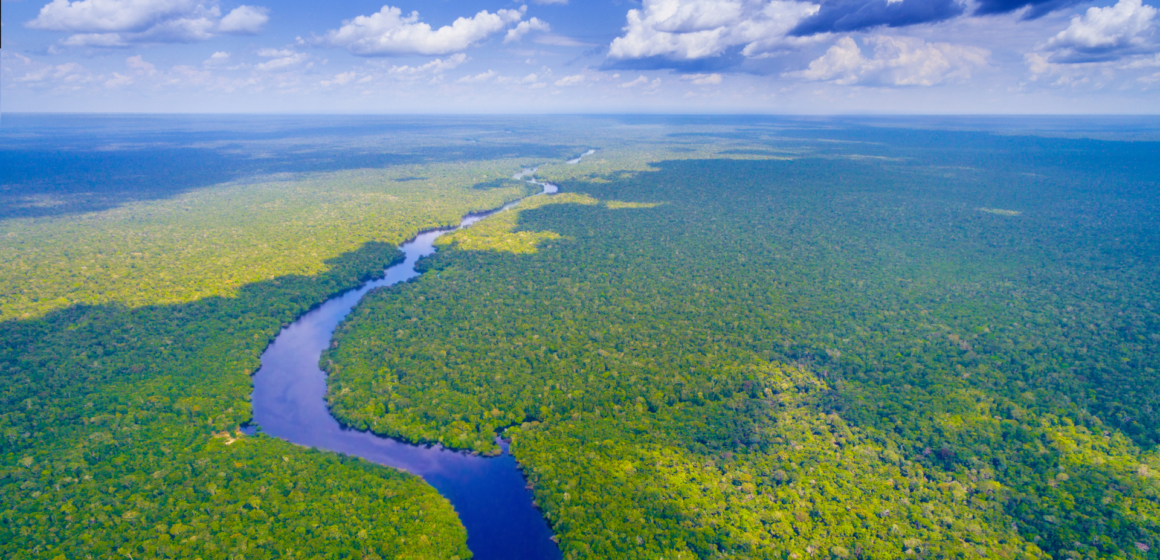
[621, 205]
[498, 232]
[213, 241]
[1001, 212]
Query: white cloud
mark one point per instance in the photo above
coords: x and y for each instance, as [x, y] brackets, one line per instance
[570, 80]
[108, 40]
[703, 79]
[649, 87]
[118, 23]
[34, 76]
[897, 61]
[245, 20]
[340, 79]
[110, 15]
[1099, 48]
[217, 59]
[478, 78]
[516, 33]
[389, 33]
[1144, 62]
[281, 59]
[273, 53]
[1129, 71]
[533, 80]
[695, 29]
[70, 75]
[118, 80]
[1104, 33]
[138, 64]
[184, 76]
[198, 27]
[437, 66]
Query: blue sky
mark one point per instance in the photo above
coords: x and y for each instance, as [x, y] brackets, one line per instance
[477, 56]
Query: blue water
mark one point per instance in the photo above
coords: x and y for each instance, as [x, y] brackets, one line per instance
[289, 401]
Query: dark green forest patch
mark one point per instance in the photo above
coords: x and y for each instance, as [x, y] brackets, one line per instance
[820, 356]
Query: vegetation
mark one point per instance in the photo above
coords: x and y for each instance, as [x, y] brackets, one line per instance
[937, 343]
[749, 339]
[129, 338]
[211, 242]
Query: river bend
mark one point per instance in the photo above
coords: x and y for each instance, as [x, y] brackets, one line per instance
[490, 494]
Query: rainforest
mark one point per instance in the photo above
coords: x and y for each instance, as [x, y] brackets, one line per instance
[721, 338]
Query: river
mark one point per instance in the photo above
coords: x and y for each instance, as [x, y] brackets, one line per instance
[490, 494]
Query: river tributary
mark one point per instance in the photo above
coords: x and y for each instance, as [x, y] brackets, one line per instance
[490, 494]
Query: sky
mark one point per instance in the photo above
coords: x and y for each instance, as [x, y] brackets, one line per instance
[575, 56]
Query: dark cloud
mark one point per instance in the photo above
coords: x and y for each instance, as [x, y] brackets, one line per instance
[837, 16]
[1039, 8]
[725, 62]
[1083, 56]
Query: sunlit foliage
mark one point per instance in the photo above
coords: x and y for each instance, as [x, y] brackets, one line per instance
[120, 400]
[838, 355]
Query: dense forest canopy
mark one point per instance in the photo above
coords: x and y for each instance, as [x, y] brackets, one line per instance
[890, 342]
[725, 338]
[129, 334]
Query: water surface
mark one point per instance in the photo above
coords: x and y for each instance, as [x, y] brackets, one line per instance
[289, 401]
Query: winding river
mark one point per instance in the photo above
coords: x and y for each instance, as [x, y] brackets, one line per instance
[490, 494]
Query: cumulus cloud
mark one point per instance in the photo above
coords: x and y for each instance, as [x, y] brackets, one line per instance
[118, 23]
[685, 30]
[245, 20]
[895, 61]
[642, 82]
[570, 80]
[1105, 34]
[106, 40]
[340, 79]
[118, 80]
[703, 79]
[437, 66]
[110, 15]
[280, 59]
[217, 59]
[534, 81]
[516, 33]
[69, 76]
[479, 78]
[377, 71]
[140, 69]
[139, 64]
[839, 16]
[388, 32]
[1102, 47]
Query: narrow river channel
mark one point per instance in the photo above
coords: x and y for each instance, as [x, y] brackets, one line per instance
[289, 400]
